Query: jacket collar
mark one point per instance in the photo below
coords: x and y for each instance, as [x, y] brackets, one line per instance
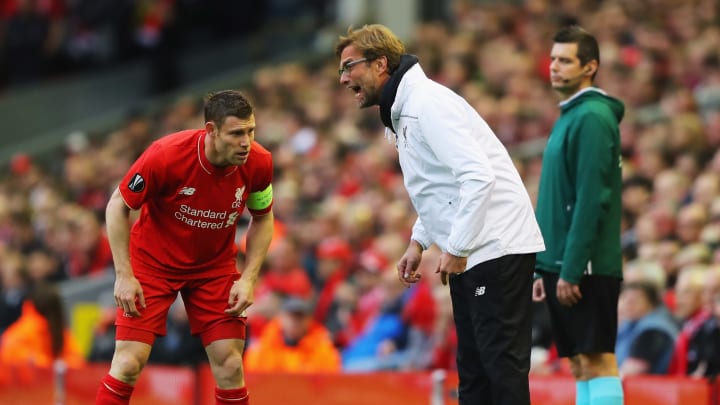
[389, 91]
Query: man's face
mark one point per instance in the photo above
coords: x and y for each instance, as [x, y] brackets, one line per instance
[566, 73]
[295, 325]
[688, 298]
[232, 140]
[634, 303]
[365, 79]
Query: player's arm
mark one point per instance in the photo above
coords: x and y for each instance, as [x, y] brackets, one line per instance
[127, 288]
[117, 217]
[259, 235]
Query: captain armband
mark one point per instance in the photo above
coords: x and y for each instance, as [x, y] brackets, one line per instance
[259, 200]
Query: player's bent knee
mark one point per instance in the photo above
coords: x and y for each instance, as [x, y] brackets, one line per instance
[128, 362]
[126, 365]
[230, 373]
[232, 366]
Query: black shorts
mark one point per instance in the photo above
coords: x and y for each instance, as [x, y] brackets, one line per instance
[590, 326]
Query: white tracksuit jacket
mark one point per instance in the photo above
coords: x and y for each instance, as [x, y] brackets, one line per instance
[466, 191]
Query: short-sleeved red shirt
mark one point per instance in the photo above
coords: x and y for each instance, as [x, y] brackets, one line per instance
[188, 207]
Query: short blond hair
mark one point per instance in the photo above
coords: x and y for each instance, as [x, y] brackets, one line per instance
[373, 41]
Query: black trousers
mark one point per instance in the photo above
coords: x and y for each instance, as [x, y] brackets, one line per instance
[492, 307]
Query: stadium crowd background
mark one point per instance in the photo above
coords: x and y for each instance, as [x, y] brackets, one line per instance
[343, 217]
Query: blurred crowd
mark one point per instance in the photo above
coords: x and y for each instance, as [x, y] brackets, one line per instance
[42, 39]
[328, 298]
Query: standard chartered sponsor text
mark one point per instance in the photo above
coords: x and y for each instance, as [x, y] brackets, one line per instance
[203, 218]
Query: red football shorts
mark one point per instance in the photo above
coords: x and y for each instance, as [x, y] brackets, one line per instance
[205, 301]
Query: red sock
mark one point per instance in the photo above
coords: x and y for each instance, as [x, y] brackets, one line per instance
[236, 396]
[113, 392]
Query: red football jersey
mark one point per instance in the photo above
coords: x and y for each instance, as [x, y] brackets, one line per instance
[188, 207]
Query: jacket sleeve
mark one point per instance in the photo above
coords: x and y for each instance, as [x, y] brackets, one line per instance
[420, 236]
[590, 157]
[446, 125]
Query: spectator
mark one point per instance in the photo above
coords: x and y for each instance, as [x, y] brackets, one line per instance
[690, 312]
[704, 346]
[646, 336]
[379, 344]
[40, 336]
[358, 299]
[345, 319]
[419, 313]
[283, 274]
[334, 258]
[648, 270]
[671, 189]
[282, 277]
[30, 38]
[706, 188]
[294, 342]
[636, 194]
[690, 221]
[89, 249]
[103, 338]
[689, 293]
[42, 264]
[14, 283]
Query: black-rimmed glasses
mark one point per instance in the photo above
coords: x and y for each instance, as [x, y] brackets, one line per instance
[348, 66]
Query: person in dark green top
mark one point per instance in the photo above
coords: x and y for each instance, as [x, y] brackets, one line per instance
[578, 210]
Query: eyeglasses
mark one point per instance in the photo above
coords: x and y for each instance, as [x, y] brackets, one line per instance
[348, 66]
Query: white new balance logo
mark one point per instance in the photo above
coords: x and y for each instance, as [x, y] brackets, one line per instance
[187, 191]
[480, 291]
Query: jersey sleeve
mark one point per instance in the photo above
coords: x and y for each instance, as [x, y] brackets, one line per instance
[260, 200]
[142, 182]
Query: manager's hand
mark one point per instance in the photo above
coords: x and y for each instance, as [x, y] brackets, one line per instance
[408, 265]
[450, 264]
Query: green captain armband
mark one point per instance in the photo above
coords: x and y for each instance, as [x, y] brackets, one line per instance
[259, 200]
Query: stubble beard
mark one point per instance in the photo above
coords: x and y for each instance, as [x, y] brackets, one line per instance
[372, 98]
[565, 90]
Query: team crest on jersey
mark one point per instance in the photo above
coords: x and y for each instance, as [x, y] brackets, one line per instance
[238, 197]
[137, 183]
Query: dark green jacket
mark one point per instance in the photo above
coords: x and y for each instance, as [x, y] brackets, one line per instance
[579, 204]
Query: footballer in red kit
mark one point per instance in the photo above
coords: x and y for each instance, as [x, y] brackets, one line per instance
[183, 194]
[190, 188]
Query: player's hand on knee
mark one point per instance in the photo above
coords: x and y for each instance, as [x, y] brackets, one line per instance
[129, 295]
[241, 297]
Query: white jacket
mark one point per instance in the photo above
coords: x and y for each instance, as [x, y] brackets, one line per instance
[466, 191]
